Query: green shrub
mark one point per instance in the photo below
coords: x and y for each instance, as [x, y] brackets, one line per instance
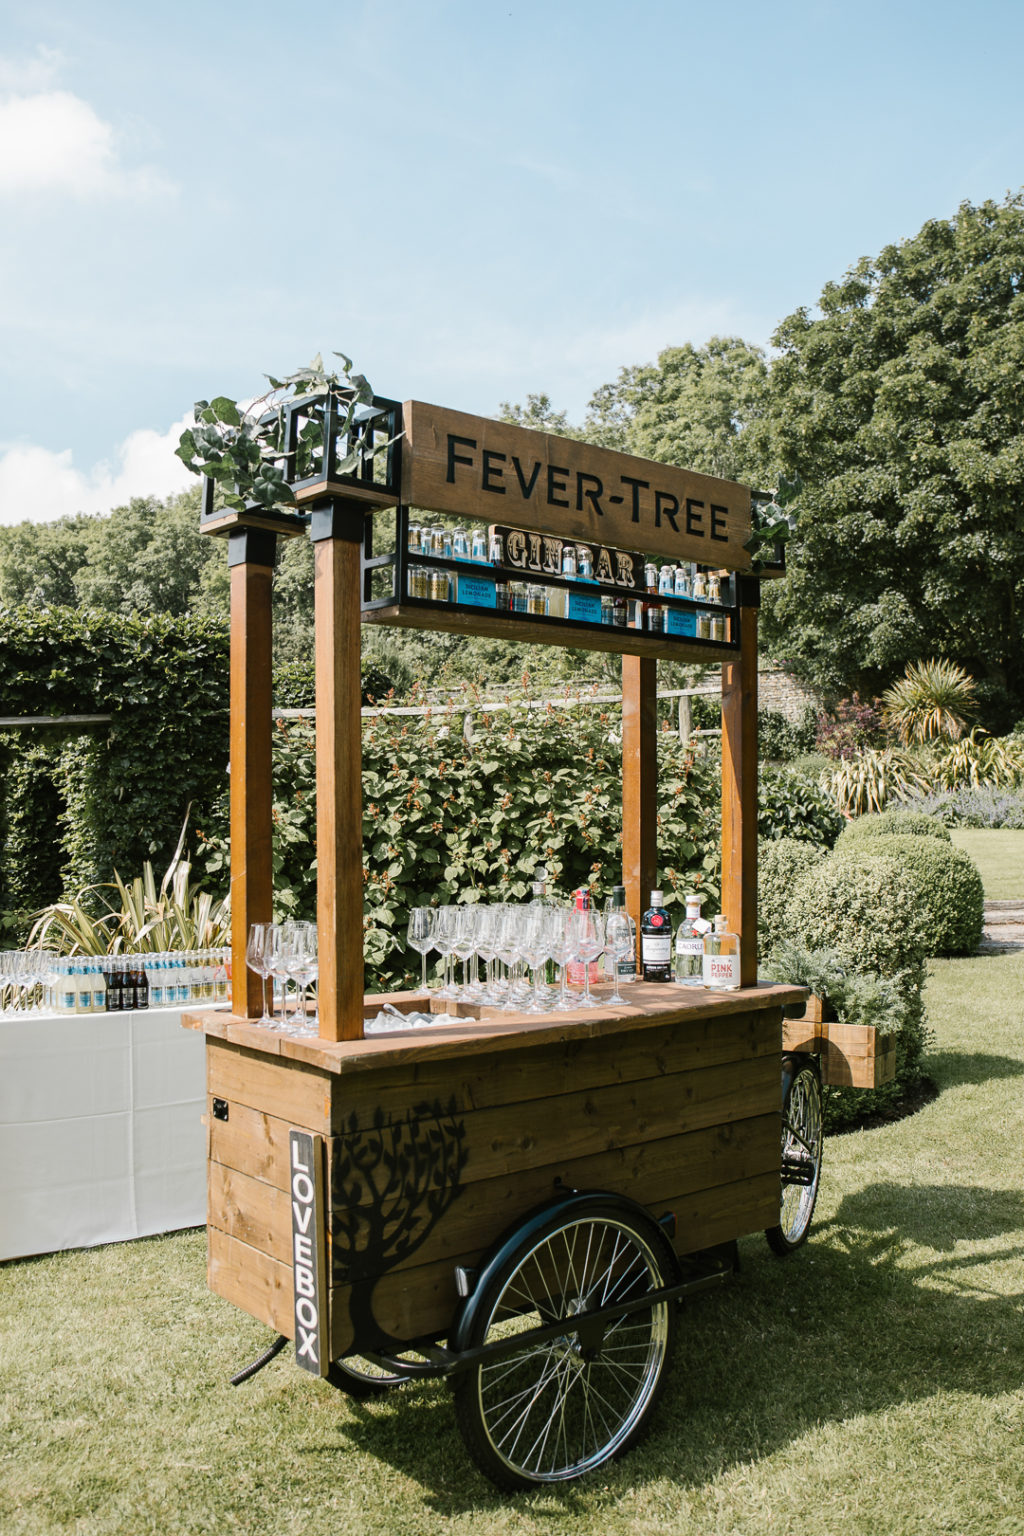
[792, 805]
[864, 906]
[780, 739]
[894, 823]
[780, 863]
[949, 889]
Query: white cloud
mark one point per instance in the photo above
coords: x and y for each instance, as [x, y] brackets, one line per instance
[39, 485]
[53, 141]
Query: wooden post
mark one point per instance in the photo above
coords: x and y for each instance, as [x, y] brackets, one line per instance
[336, 531]
[251, 554]
[739, 784]
[639, 782]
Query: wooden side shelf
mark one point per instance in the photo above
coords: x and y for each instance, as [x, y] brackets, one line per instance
[852, 1055]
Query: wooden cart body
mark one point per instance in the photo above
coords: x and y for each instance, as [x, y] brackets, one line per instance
[437, 1141]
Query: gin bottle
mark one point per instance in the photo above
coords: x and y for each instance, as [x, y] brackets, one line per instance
[689, 966]
[722, 957]
[656, 941]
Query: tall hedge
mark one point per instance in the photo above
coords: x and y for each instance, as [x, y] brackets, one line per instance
[123, 788]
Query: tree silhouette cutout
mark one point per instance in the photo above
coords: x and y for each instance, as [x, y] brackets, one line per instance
[390, 1186]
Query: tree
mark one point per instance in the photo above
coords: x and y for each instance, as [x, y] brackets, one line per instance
[701, 408]
[901, 409]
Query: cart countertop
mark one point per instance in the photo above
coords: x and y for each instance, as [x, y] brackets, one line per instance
[648, 1004]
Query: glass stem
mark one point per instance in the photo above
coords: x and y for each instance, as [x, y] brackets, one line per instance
[423, 981]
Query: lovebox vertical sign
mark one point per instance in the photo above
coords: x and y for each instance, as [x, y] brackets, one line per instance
[308, 1257]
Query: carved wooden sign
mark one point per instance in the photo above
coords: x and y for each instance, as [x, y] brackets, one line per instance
[471, 466]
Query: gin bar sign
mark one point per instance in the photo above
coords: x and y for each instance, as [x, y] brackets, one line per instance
[308, 1258]
[471, 466]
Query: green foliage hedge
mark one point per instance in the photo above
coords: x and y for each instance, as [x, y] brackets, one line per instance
[780, 864]
[894, 823]
[124, 789]
[865, 906]
[449, 820]
[949, 890]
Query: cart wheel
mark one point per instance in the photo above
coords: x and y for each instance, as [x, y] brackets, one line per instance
[559, 1408]
[801, 1152]
[362, 1379]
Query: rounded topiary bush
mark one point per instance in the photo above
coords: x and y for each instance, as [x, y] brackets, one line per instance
[895, 823]
[863, 904]
[949, 890]
[780, 864]
[866, 907]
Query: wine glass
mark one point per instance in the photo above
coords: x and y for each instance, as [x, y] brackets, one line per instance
[420, 936]
[464, 948]
[588, 943]
[618, 944]
[563, 947]
[257, 958]
[534, 944]
[303, 967]
[445, 929]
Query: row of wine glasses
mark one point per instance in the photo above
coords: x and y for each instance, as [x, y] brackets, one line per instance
[520, 938]
[24, 974]
[287, 952]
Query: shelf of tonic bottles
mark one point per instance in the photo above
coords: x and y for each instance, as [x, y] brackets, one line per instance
[101, 1094]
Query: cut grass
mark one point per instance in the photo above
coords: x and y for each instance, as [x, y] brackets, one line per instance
[999, 855]
[871, 1384]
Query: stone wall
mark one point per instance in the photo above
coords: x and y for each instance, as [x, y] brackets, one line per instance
[777, 689]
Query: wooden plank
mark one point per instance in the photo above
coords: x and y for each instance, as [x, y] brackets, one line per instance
[802, 1035]
[475, 467]
[639, 783]
[339, 824]
[650, 1007]
[582, 637]
[651, 1172]
[251, 1210]
[250, 741]
[289, 1091]
[253, 1142]
[423, 1300]
[477, 1082]
[259, 1284]
[739, 795]
[385, 1152]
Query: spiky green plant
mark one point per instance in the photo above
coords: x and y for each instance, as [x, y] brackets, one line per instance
[932, 701]
[871, 780]
[140, 918]
[980, 759]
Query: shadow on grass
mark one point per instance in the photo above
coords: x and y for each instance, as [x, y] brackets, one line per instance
[875, 1311]
[949, 1068]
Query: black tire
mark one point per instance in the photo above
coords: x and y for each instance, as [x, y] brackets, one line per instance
[362, 1379]
[560, 1408]
[802, 1140]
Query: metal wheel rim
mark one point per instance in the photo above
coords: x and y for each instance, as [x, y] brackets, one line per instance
[801, 1134]
[548, 1413]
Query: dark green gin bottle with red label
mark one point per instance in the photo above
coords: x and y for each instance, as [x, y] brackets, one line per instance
[656, 941]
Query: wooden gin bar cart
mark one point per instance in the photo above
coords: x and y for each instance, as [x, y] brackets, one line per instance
[517, 1202]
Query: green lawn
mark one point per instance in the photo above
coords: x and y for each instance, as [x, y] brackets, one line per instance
[871, 1384]
[999, 855]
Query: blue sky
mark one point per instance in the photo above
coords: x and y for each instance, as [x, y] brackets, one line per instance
[474, 199]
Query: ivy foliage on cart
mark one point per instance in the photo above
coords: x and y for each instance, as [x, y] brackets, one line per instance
[77, 806]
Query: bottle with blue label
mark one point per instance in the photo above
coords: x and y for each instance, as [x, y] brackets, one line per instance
[66, 997]
[83, 989]
[98, 983]
[155, 974]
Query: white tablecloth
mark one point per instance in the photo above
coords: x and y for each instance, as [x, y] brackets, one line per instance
[100, 1131]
